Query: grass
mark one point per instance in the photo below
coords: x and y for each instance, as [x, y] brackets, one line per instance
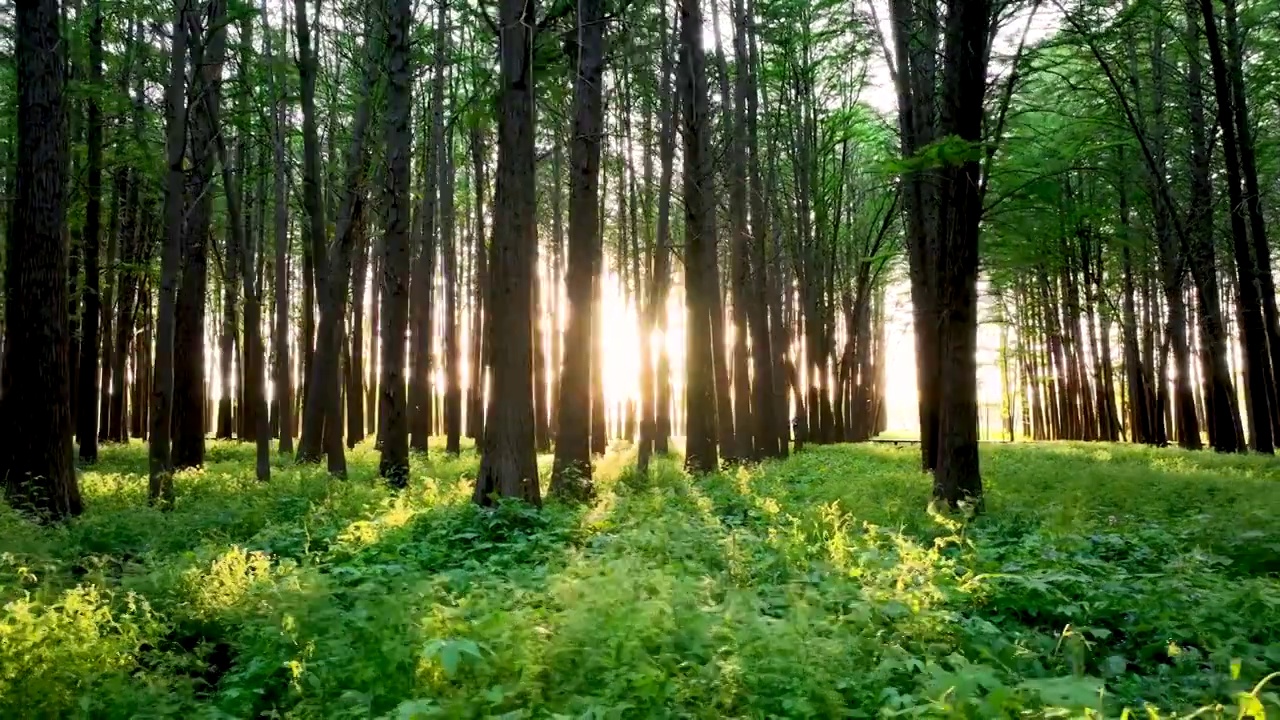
[1101, 577]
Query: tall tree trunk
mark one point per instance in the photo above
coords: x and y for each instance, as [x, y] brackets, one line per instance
[35, 393]
[160, 414]
[314, 277]
[87, 417]
[1221, 401]
[422, 283]
[1256, 362]
[393, 429]
[322, 411]
[700, 275]
[915, 48]
[314, 245]
[733, 118]
[956, 475]
[508, 463]
[571, 470]
[355, 366]
[764, 412]
[452, 347]
[662, 253]
[480, 298]
[1253, 199]
[282, 375]
[189, 412]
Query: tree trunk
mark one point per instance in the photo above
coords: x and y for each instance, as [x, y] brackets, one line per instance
[700, 275]
[763, 408]
[452, 347]
[282, 375]
[189, 412]
[160, 415]
[1253, 199]
[571, 471]
[35, 394]
[322, 412]
[87, 415]
[1256, 362]
[393, 430]
[508, 463]
[355, 365]
[956, 475]
[480, 298]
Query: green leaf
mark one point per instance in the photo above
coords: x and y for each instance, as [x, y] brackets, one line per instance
[1066, 691]
[1251, 708]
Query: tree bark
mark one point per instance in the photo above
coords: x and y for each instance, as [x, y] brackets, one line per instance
[1256, 362]
[571, 469]
[160, 490]
[508, 462]
[393, 430]
[35, 393]
[322, 410]
[189, 413]
[700, 277]
[87, 415]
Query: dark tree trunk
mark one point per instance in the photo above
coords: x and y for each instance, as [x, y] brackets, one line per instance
[764, 412]
[314, 268]
[355, 365]
[315, 257]
[162, 383]
[35, 393]
[322, 412]
[452, 347]
[508, 463]
[282, 374]
[1221, 401]
[915, 48]
[662, 252]
[189, 412]
[1253, 200]
[571, 471]
[1249, 293]
[479, 298]
[393, 430]
[700, 275]
[423, 280]
[87, 415]
[131, 244]
[599, 428]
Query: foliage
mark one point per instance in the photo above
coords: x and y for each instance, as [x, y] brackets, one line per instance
[1101, 577]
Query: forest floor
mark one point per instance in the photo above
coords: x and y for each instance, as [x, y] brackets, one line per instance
[1100, 576]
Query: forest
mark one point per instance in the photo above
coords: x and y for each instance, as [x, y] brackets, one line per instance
[639, 358]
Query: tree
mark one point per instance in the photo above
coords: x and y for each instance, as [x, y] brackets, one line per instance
[571, 471]
[87, 417]
[393, 430]
[508, 462]
[160, 489]
[699, 250]
[940, 108]
[35, 393]
[208, 33]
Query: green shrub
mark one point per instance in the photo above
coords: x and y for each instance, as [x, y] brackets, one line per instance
[1100, 578]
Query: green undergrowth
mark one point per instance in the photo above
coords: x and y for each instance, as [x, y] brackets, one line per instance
[1100, 578]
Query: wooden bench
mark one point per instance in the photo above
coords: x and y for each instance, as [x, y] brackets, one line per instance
[896, 442]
